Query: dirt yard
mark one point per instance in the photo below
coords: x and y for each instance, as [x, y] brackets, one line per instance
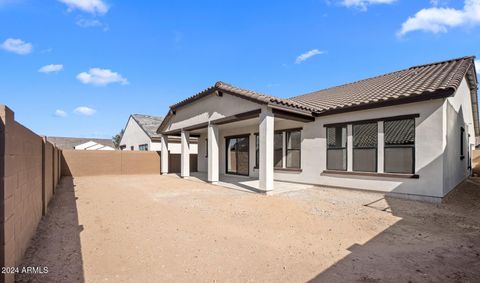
[160, 228]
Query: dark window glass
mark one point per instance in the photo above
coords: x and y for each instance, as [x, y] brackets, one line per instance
[278, 149]
[257, 150]
[206, 147]
[462, 141]
[365, 139]
[294, 140]
[131, 147]
[399, 138]
[143, 147]
[237, 155]
[337, 148]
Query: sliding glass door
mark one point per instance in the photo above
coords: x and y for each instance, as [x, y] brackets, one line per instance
[237, 155]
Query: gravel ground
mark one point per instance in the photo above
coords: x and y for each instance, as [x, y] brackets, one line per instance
[160, 228]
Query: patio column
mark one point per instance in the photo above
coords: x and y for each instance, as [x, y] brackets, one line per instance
[164, 154]
[349, 148]
[380, 147]
[213, 160]
[185, 156]
[266, 132]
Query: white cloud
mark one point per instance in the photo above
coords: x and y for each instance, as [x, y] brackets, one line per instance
[84, 110]
[52, 68]
[97, 76]
[363, 4]
[60, 113]
[307, 55]
[89, 6]
[91, 23]
[18, 46]
[477, 66]
[437, 20]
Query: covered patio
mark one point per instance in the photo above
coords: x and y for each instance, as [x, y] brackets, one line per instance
[236, 134]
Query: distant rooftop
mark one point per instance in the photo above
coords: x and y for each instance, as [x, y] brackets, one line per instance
[70, 143]
[148, 123]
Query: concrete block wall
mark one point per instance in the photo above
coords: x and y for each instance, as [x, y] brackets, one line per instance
[27, 179]
[119, 162]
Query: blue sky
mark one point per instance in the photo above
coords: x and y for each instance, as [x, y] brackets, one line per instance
[105, 59]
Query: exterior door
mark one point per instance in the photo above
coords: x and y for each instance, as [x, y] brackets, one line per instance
[237, 155]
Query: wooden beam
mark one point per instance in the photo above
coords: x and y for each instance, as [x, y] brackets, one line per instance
[237, 117]
[292, 116]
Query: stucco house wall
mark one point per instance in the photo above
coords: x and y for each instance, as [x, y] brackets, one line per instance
[134, 136]
[458, 113]
[429, 147]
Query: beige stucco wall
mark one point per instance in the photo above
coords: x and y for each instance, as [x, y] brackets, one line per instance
[209, 108]
[92, 163]
[458, 113]
[135, 136]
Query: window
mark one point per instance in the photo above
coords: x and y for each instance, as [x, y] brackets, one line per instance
[399, 146]
[143, 147]
[462, 141]
[131, 147]
[365, 138]
[337, 148]
[293, 148]
[122, 147]
[278, 149]
[257, 150]
[206, 148]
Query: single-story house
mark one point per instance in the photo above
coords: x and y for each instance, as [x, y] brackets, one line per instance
[408, 133]
[140, 134]
[81, 143]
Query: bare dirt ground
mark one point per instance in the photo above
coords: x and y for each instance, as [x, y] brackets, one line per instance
[160, 228]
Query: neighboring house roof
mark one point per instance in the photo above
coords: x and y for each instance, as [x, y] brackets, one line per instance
[417, 83]
[149, 124]
[91, 145]
[70, 143]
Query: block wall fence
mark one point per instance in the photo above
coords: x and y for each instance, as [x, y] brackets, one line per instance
[29, 173]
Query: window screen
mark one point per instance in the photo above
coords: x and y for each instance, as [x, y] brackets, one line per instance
[257, 150]
[293, 149]
[365, 139]
[400, 146]
[337, 148]
[278, 149]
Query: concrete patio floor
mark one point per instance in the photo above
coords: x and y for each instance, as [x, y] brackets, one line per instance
[247, 184]
[150, 228]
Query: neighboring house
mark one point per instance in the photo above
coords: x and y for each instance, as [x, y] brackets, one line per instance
[407, 133]
[140, 134]
[72, 143]
[91, 145]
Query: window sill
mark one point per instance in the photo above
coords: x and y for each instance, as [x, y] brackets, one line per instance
[294, 170]
[298, 170]
[372, 174]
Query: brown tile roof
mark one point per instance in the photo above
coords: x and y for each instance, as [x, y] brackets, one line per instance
[423, 80]
[244, 93]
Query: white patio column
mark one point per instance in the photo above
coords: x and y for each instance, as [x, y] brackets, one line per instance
[266, 132]
[164, 155]
[380, 147]
[213, 160]
[349, 147]
[185, 155]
